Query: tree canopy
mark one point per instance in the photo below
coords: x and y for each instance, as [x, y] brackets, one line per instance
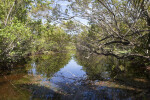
[120, 28]
[116, 27]
[23, 31]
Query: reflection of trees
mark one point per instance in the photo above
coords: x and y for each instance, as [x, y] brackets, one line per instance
[96, 67]
[102, 67]
[50, 64]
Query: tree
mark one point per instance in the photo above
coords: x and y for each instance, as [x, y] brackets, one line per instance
[14, 42]
[123, 26]
[22, 31]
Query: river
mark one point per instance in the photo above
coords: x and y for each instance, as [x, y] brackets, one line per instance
[75, 76]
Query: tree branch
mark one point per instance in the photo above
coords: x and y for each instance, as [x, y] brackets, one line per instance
[9, 13]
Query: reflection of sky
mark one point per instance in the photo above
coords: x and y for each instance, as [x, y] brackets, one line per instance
[70, 73]
[70, 77]
[33, 70]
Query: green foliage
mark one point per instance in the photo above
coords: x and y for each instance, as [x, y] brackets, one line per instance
[11, 9]
[49, 38]
[22, 34]
[18, 39]
[117, 27]
[14, 41]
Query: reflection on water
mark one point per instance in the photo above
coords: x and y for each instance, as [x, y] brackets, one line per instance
[69, 74]
[64, 76]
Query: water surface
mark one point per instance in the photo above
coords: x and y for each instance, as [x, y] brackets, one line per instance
[65, 76]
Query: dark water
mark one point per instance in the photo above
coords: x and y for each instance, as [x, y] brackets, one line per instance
[76, 76]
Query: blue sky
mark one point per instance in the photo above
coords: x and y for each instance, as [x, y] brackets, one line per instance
[64, 5]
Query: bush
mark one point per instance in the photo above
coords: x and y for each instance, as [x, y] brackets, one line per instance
[14, 42]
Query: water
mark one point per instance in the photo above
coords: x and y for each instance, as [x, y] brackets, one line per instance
[65, 76]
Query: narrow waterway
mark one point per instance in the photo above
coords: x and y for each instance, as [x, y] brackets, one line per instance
[74, 77]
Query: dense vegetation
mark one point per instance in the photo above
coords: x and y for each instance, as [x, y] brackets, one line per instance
[119, 28]
[116, 27]
[22, 32]
[75, 49]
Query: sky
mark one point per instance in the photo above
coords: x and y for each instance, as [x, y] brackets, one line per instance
[64, 5]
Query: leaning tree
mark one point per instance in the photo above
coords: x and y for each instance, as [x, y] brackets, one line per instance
[116, 27]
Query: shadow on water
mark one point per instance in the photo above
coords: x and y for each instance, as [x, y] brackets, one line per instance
[81, 92]
[124, 73]
[64, 76]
